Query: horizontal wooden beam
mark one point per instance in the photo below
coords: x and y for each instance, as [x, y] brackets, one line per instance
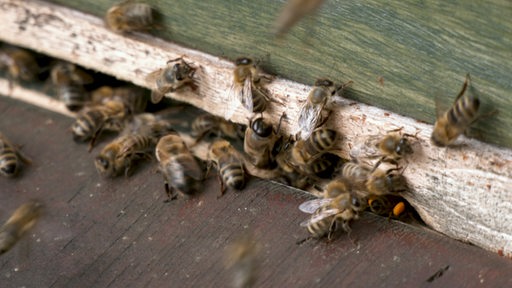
[463, 192]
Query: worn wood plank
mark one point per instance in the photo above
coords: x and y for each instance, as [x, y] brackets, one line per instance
[420, 50]
[112, 233]
[448, 186]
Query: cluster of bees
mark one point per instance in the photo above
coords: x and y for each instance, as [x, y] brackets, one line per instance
[305, 159]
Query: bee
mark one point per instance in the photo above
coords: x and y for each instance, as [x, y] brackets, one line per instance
[388, 205]
[325, 165]
[20, 64]
[10, 158]
[228, 163]
[320, 97]
[148, 124]
[90, 122]
[118, 155]
[355, 172]
[383, 182]
[69, 81]
[132, 97]
[259, 142]
[242, 261]
[305, 152]
[290, 175]
[206, 124]
[458, 118]
[329, 214]
[177, 75]
[22, 220]
[180, 169]
[247, 88]
[292, 12]
[129, 16]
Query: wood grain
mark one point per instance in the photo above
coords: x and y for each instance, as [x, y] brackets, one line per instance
[463, 192]
[402, 55]
[118, 232]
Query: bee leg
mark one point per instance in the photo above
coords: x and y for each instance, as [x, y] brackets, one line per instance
[169, 191]
[464, 87]
[280, 121]
[324, 119]
[302, 241]
[175, 60]
[222, 186]
[332, 228]
[198, 139]
[94, 137]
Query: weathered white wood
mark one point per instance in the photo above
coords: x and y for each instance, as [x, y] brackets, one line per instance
[463, 192]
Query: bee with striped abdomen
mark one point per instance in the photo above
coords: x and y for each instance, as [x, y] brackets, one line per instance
[129, 16]
[69, 81]
[259, 142]
[208, 124]
[21, 64]
[229, 165]
[10, 158]
[177, 75]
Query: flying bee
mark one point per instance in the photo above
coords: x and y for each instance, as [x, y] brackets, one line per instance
[383, 182]
[69, 81]
[20, 64]
[242, 261]
[176, 76]
[129, 16]
[228, 163]
[247, 88]
[22, 220]
[10, 158]
[259, 142]
[208, 124]
[329, 214]
[93, 120]
[180, 169]
[119, 155]
[133, 97]
[458, 118]
[311, 113]
[305, 152]
[292, 12]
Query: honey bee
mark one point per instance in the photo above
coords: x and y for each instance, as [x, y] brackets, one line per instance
[10, 158]
[148, 124]
[383, 182]
[458, 118]
[133, 97]
[207, 124]
[228, 163]
[118, 155]
[289, 172]
[129, 16]
[305, 152]
[329, 214]
[320, 97]
[292, 12]
[177, 75]
[22, 220]
[325, 165]
[69, 81]
[179, 167]
[20, 64]
[90, 122]
[387, 205]
[247, 88]
[259, 142]
[242, 261]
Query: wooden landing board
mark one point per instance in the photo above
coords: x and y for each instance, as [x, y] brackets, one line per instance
[117, 233]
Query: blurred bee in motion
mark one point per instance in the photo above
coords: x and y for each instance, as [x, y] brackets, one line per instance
[129, 16]
[10, 158]
[458, 118]
[93, 120]
[242, 261]
[208, 124]
[20, 64]
[247, 88]
[383, 182]
[180, 168]
[134, 98]
[330, 214]
[22, 220]
[69, 81]
[311, 113]
[177, 75]
[228, 163]
[119, 155]
[292, 12]
[259, 142]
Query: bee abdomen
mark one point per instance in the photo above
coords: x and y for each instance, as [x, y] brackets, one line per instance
[464, 111]
[9, 163]
[259, 103]
[73, 96]
[321, 140]
[233, 175]
[86, 125]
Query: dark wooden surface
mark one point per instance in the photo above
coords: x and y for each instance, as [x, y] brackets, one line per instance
[401, 55]
[117, 233]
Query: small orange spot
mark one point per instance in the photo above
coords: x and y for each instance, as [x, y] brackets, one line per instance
[464, 156]
[399, 208]
[386, 114]
[471, 183]
[500, 252]
[488, 186]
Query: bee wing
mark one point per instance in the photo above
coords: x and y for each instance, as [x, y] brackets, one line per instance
[312, 205]
[366, 146]
[190, 167]
[247, 94]
[319, 217]
[235, 95]
[308, 118]
[156, 92]
[156, 96]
